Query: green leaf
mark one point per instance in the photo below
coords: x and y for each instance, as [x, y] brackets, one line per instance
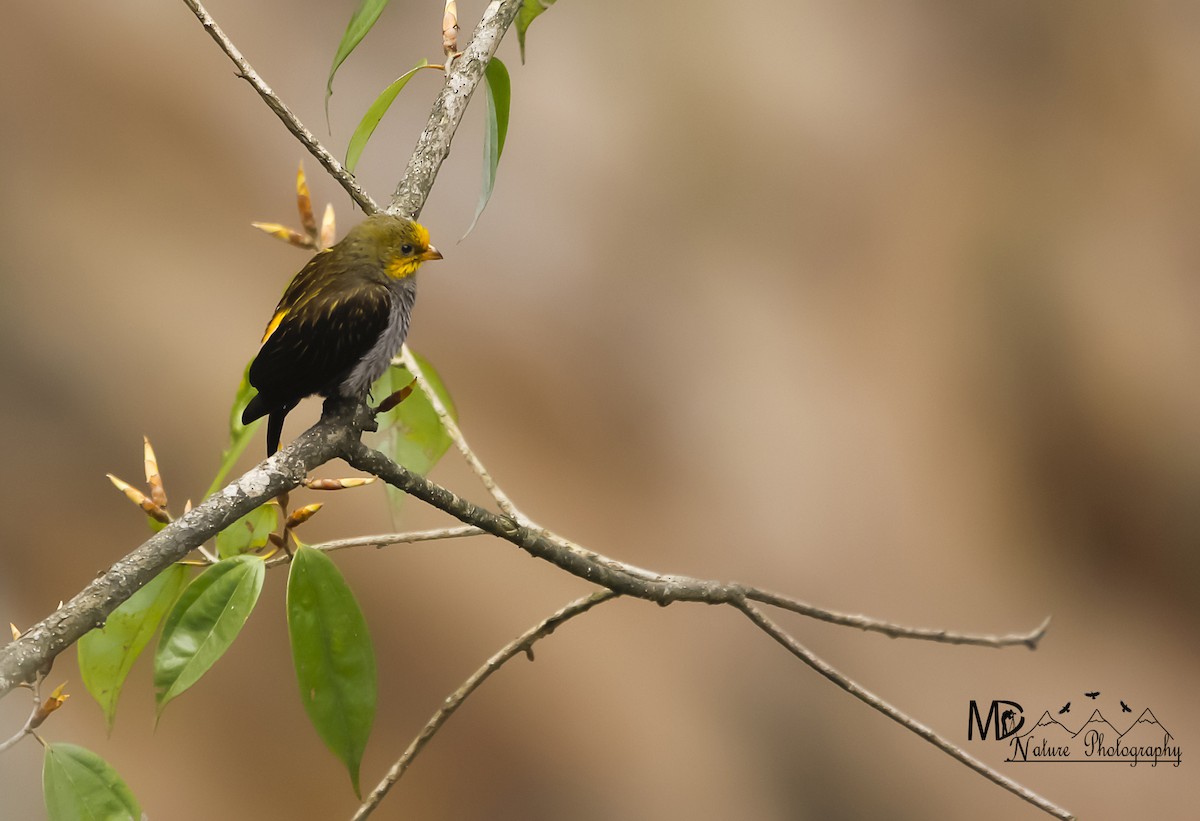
[79, 785]
[366, 126]
[499, 94]
[107, 653]
[204, 622]
[411, 433]
[248, 533]
[335, 664]
[362, 21]
[529, 11]
[239, 434]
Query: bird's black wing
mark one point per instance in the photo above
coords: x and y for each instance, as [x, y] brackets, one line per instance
[324, 324]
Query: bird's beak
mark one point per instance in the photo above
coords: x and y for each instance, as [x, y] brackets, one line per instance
[430, 253]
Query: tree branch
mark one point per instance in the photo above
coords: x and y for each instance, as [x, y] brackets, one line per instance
[338, 434]
[463, 76]
[290, 120]
[875, 702]
[409, 361]
[27, 727]
[36, 649]
[523, 643]
[633, 581]
[387, 539]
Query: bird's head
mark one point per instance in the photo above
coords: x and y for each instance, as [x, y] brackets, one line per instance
[400, 245]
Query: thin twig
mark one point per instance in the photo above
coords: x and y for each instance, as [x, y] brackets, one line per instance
[27, 727]
[386, 539]
[867, 697]
[456, 436]
[290, 120]
[894, 630]
[523, 643]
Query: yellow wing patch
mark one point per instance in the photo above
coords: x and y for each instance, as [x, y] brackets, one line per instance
[273, 324]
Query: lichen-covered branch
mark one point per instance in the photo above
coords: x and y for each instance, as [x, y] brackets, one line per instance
[34, 652]
[462, 78]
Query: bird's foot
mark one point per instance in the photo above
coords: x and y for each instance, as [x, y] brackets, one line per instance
[350, 411]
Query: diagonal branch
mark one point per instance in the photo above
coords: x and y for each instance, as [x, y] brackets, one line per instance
[409, 361]
[462, 78]
[637, 582]
[522, 643]
[386, 539]
[875, 702]
[36, 649]
[290, 120]
[1029, 639]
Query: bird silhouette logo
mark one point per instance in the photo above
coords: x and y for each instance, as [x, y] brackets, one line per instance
[1130, 739]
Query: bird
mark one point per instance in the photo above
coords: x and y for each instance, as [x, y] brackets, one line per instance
[1125, 708]
[340, 320]
[1065, 709]
[1094, 695]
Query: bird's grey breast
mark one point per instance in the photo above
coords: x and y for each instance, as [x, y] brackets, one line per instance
[372, 366]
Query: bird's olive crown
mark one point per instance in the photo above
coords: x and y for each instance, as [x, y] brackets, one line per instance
[399, 244]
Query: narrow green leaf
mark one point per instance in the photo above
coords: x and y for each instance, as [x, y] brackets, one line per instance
[366, 126]
[360, 23]
[335, 663]
[239, 434]
[107, 653]
[204, 622]
[499, 94]
[529, 11]
[248, 533]
[411, 433]
[79, 785]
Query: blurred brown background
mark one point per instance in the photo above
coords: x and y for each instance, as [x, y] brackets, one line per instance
[891, 306]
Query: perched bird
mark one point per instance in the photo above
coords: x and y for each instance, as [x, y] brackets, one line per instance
[340, 321]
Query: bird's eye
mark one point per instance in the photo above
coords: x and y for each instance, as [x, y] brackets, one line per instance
[406, 248]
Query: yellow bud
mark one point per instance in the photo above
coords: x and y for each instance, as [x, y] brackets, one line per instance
[284, 233]
[328, 227]
[304, 203]
[302, 515]
[56, 700]
[450, 28]
[396, 398]
[140, 499]
[157, 492]
[338, 484]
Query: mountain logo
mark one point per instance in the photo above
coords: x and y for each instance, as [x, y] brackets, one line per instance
[1052, 740]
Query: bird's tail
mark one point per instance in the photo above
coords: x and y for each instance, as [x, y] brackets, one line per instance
[275, 430]
[257, 408]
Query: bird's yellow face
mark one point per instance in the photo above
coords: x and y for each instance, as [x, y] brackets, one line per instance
[408, 250]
